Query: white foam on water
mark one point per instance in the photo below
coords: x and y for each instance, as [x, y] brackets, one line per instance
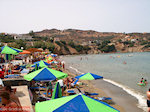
[76, 70]
[141, 99]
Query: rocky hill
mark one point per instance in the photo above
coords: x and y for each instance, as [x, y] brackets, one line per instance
[74, 41]
[123, 42]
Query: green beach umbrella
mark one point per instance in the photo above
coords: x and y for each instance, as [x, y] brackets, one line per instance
[40, 64]
[48, 59]
[74, 103]
[7, 57]
[10, 50]
[45, 74]
[89, 76]
[57, 93]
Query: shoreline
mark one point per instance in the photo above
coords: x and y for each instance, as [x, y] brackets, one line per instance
[123, 101]
[92, 89]
[103, 53]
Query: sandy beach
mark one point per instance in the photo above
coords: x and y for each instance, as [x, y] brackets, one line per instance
[89, 87]
[122, 101]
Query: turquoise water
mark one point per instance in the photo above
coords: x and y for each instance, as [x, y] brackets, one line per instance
[125, 68]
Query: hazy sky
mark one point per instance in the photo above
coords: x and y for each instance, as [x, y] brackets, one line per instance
[21, 16]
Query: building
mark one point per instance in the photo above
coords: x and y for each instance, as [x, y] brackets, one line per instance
[22, 37]
[56, 39]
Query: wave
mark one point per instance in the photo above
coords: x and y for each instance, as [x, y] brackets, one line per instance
[141, 99]
[76, 70]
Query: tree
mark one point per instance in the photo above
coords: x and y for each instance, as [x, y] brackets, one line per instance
[31, 33]
[21, 43]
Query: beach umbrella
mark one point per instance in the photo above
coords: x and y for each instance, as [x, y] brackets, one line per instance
[55, 62]
[8, 57]
[40, 64]
[25, 52]
[57, 93]
[10, 50]
[45, 74]
[53, 55]
[74, 103]
[88, 76]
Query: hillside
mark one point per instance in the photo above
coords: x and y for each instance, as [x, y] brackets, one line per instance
[74, 41]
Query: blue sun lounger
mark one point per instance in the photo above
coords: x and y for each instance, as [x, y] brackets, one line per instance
[71, 91]
[104, 98]
[12, 76]
[36, 87]
[46, 93]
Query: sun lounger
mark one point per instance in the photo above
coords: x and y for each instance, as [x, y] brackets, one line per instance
[46, 93]
[71, 91]
[12, 76]
[90, 94]
[23, 66]
[25, 71]
[104, 98]
[37, 87]
[42, 98]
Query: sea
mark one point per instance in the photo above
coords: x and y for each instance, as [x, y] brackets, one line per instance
[124, 70]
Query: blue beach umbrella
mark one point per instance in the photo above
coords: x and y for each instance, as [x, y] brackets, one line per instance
[89, 76]
[74, 103]
[45, 74]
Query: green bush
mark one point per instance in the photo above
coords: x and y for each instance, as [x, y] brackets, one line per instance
[58, 43]
[87, 48]
[63, 42]
[71, 43]
[6, 38]
[66, 48]
[108, 48]
[147, 46]
[144, 42]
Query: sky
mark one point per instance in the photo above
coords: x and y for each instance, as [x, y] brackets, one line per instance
[22, 16]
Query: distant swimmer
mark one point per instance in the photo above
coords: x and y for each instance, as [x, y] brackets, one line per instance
[143, 82]
[148, 100]
[80, 58]
[124, 62]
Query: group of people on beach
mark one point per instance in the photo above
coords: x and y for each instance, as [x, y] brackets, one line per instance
[64, 84]
[9, 69]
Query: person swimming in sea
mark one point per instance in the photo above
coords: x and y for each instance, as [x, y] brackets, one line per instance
[142, 80]
[145, 81]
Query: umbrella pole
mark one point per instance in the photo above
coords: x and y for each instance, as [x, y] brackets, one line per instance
[39, 90]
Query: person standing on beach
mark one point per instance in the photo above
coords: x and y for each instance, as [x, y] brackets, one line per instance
[49, 88]
[148, 100]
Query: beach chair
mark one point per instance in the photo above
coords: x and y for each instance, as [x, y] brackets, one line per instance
[105, 99]
[35, 88]
[12, 76]
[23, 66]
[71, 92]
[90, 94]
[46, 93]
[42, 98]
[75, 83]
[25, 71]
